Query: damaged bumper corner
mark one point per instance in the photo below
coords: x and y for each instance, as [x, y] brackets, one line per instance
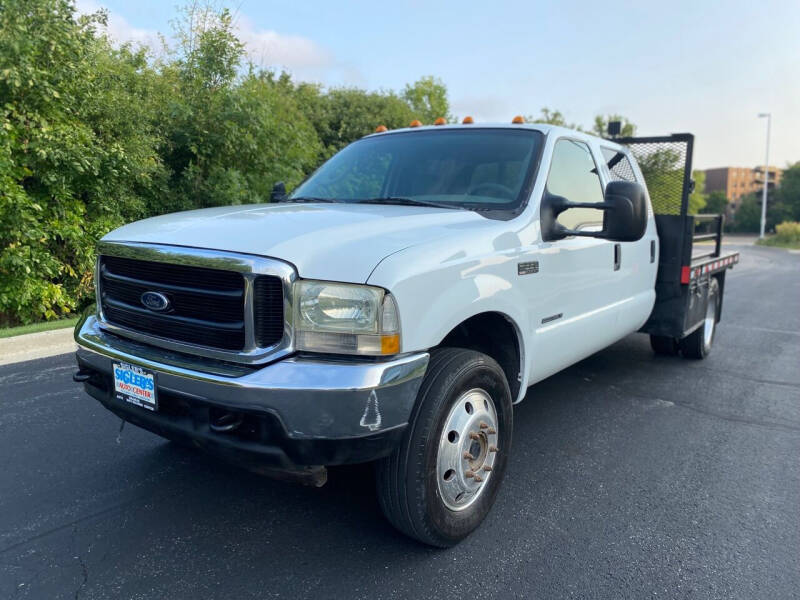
[291, 414]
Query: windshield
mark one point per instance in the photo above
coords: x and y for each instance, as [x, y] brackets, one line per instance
[457, 168]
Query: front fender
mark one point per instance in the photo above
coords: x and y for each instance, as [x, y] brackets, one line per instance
[432, 303]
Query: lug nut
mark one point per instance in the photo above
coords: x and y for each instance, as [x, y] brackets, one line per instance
[484, 425]
[487, 468]
[474, 436]
[468, 456]
[469, 474]
[478, 478]
[493, 449]
[492, 431]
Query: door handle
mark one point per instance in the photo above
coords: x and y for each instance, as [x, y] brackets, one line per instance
[617, 256]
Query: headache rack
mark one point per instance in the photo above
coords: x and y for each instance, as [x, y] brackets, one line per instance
[690, 245]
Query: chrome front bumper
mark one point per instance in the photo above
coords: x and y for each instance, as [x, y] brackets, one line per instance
[365, 402]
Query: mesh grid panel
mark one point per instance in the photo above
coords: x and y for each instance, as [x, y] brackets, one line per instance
[666, 165]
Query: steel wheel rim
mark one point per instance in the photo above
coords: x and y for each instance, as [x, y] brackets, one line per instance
[467, 449]
[710, 320]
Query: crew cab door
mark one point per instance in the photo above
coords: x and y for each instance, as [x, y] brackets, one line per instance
[574, 304]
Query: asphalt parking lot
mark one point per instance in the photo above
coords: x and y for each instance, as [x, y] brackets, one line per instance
[631, 476]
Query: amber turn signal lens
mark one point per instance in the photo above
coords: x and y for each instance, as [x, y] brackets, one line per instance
[415, 123]
[517, 120]
[439, 121]
[468, 121]
[381, 129]
[390, 344]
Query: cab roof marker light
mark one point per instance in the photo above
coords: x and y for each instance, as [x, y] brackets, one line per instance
[381, 129]
[468, 121]
[415, 123]
[439, 121]
[518, 120]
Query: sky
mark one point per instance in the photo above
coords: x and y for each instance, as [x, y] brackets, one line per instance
[707, 68]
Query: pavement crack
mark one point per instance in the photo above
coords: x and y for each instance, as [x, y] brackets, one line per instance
[84, 569]
[774, 425]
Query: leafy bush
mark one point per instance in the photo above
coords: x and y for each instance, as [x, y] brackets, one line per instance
[93, 136]
[788, 232]
[76, 155]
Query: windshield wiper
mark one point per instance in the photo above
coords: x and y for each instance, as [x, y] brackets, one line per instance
[409, 202]
[311, 199]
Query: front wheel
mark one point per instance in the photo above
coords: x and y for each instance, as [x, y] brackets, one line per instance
[442, 480]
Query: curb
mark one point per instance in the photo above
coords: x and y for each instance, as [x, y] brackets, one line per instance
[36, 345]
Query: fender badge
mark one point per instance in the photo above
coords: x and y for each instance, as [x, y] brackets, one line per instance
[526, 268]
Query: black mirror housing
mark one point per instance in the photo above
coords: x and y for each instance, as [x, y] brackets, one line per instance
[278, 192]
[625, 218]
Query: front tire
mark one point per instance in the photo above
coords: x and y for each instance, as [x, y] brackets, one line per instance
[441, 481]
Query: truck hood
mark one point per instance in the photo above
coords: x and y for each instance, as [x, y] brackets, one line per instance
[340, 242]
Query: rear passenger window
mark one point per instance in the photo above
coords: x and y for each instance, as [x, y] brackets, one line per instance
[619, 167]
[573, 175]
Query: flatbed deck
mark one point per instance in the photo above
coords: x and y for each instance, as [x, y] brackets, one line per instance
[690, 252]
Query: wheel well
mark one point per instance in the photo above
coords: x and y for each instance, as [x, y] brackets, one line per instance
[495, 335]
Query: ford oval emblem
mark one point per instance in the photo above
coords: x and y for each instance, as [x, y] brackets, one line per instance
[155, 301]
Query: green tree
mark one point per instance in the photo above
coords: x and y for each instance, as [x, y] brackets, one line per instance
[747, 218]
[697, 199]
[552, 117]
[600, 126]
[716, 203]
[427, 98]
[93, 136]
[343, 115]
[784, 203]
[77, 156]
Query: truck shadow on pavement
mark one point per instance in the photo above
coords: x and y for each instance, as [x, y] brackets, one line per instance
[238, 508]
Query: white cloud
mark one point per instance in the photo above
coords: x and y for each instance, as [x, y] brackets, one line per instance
[302, 57]
[117, 28]
[268, 48]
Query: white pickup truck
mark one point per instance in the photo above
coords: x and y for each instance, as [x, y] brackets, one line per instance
[398, 304]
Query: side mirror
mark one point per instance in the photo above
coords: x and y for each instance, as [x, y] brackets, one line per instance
[278, 192]
[625, 218]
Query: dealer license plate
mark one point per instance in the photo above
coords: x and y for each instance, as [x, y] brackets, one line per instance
[135, 385]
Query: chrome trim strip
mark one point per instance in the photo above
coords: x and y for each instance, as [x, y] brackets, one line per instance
[319, 374]
[248, 265]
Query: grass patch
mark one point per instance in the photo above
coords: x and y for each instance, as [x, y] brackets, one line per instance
[777, 242]
[37, 327]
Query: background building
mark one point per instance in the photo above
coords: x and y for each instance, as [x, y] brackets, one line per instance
[738, 182]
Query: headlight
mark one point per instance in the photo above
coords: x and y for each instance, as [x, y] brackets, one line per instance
[344, 318]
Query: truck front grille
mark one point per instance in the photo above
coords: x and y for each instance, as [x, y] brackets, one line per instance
[206, 306]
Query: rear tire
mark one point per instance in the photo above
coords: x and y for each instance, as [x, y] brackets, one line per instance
[697, 345]
[463, 409]
[662, 344]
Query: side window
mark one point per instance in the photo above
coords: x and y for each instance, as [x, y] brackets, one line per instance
[619, 167]
[573, 175]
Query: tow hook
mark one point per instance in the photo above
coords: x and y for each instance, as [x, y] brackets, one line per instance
[82, 376]
[224, 421]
